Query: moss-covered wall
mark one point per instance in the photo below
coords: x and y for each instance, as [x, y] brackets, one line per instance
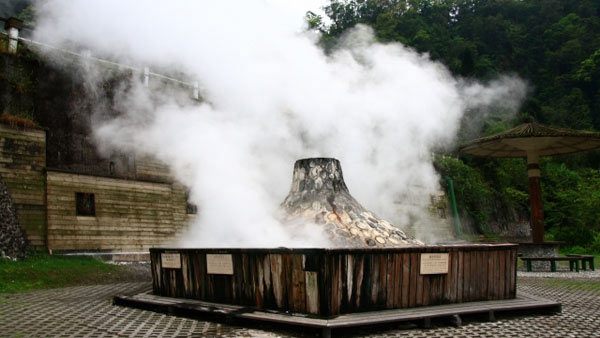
[22, 166]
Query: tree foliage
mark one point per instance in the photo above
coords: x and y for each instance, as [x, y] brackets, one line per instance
[554, 45]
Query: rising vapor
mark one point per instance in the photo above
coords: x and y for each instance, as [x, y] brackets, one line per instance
[271, 96]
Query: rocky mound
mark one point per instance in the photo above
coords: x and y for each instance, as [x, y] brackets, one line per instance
[319, 195]
[13, 240]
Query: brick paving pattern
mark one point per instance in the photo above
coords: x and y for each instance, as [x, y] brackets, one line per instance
[87, 311]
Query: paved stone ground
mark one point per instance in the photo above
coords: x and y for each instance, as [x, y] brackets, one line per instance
[86, 311]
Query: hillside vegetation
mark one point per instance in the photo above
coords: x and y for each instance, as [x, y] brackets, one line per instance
[552, 44]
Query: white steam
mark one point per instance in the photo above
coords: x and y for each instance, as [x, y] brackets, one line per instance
[272, 96]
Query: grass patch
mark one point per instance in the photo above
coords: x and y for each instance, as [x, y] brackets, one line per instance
[43, 271]
[577, 250]
[591, 285]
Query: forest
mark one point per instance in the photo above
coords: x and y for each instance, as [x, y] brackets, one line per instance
[554, 45]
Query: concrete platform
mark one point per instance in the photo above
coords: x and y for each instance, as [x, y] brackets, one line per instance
[117, 257]
[489, 309]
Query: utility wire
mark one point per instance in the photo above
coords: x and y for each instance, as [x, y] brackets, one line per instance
[102, 61]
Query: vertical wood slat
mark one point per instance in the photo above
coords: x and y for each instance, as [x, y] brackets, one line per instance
[391, 275]
[501, 277]
[507, 274]
[312, 292]
[490, 274]
[413, 280]
[358, 279]
[335, 298]
[298, 285]
[496, 274]
[466, 276]
[352, 281]
[419, 289]
[447, 295]
[348, 262]
[513, 280]
[405, 280]
[374, 282]
[473, 289]
[482, 265]
[398, 280]
[460, 277]
[382, 294]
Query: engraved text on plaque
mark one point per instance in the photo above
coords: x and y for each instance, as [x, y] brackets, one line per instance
[434, 263]
[170, 260]
[219, 264]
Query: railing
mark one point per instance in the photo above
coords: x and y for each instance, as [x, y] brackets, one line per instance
[14, 26]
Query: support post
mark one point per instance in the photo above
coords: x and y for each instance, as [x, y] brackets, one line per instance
[12, 26]
[146, 76]
[86, 56]
[196, 91]
[457, 224]
[535, 195]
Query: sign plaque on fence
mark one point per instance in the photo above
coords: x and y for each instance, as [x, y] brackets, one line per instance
[434, 263]
[219, 264]
[170, 260]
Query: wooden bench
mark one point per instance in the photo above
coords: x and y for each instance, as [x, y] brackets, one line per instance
[572, 259]
[585, 260]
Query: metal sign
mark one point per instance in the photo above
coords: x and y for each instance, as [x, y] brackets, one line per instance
[434, 263]
[170, 260]
[219, 264]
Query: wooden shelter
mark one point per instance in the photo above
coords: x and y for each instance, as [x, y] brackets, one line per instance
[532, 140]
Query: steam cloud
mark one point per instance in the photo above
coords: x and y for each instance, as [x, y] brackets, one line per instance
[272, 96]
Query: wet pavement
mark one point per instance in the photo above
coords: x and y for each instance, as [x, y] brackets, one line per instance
[87, 311]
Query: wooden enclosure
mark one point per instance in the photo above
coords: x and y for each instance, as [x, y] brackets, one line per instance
[329, 282]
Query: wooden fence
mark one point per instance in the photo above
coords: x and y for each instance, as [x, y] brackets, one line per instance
[328, 282]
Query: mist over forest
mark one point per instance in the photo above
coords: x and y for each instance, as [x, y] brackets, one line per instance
[552, 46]
[555, 47]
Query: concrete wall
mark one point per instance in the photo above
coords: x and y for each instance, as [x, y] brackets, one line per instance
[130, 215]
[22, 166]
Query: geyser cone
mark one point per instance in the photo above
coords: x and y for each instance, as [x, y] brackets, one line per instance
[319, 195]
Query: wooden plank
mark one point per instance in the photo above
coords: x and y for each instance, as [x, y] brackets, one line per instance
[482, 275]
[358, 279]
[390, 281]
[277, 279]
[454, 282]
[427, 290]
[312, 292]
[501, 279]
[356, 319]
[419, 285]
[398, 279]
[514, 273]
[490, 275]
[374, 282]
[349, 271]
[414, 258]
[466, 276]
[335, 298]
[406, 280]
[473, 280]
[497, 275]
[508, 273]
[259, 288]
[325, 284]
[448, 279]
[382, 294]
[299, 285]
[286, 265]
